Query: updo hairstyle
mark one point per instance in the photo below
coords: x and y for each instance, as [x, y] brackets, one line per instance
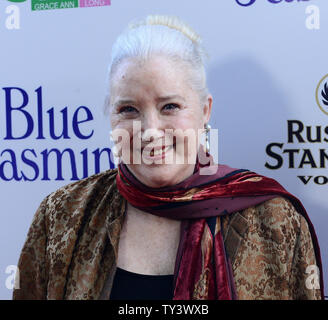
[161, 35]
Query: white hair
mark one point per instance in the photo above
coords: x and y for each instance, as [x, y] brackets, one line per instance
[164, 35]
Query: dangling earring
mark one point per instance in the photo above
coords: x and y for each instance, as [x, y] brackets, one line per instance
[207, 137]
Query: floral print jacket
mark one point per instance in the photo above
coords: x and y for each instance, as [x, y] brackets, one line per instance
[71, 247]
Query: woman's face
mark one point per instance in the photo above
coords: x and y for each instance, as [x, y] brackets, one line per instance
[157, 116]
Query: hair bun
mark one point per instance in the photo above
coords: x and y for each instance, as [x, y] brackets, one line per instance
[172, 22]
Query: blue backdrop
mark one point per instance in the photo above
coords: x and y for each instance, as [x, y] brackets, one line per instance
[267, 73]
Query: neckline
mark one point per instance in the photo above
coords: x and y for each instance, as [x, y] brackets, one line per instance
[141, 275]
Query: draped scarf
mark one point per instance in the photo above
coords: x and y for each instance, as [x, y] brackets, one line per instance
[203, 268]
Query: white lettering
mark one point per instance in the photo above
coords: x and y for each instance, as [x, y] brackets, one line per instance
[135, 310]
[13, 21]
[312, 22]
[204, 309]
[67, 4]
[312, 281]
[12, 282]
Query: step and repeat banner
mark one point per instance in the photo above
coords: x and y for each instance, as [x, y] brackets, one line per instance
[267, 72]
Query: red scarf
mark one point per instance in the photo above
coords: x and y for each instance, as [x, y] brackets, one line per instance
[203, 270]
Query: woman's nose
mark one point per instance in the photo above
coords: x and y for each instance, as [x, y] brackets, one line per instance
[151, 128]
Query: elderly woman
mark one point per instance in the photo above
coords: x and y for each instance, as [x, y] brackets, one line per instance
[159, 226]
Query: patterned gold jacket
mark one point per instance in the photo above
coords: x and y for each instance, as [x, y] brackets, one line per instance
[71, 247]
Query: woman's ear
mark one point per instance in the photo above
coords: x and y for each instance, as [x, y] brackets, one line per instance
[207, 108]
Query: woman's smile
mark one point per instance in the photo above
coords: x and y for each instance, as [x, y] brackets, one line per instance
[156, 153]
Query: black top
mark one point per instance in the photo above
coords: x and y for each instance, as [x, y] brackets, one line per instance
[134, 286]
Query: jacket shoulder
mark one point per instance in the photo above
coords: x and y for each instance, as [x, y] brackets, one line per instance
[89, 181]
[84, 185]
[270, 216]
[277, 218]
[76, 197]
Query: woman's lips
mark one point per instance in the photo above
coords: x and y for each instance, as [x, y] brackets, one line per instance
[156, 152]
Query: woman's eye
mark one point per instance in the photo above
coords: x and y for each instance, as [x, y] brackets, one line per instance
[170, 106]
[127, 109]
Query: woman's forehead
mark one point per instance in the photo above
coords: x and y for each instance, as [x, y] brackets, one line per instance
[153, 67]
[159, 76]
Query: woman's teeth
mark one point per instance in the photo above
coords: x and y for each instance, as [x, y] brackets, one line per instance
[159, 151]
